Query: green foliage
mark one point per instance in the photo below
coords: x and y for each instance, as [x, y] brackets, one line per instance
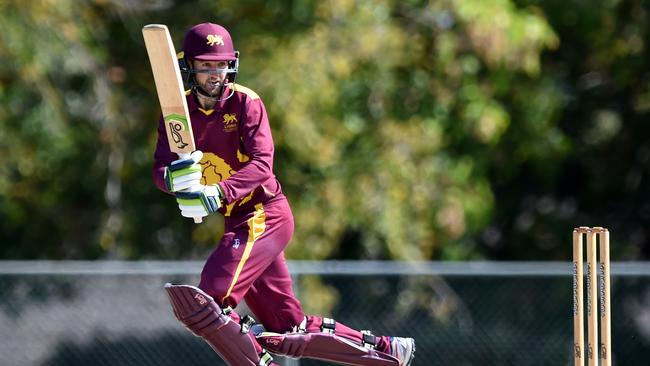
[404, 129]
[381, 135]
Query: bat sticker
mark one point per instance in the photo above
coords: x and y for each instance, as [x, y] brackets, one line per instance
[177, 125]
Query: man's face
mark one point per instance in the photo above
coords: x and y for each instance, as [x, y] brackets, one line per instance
[212, 80]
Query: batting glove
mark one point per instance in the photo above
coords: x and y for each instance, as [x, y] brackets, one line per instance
[199, 202]
[184, 173]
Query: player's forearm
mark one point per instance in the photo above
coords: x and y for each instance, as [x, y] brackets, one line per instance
[158, 175]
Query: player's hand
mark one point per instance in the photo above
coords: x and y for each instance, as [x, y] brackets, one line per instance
[199, 201]
[184, 173]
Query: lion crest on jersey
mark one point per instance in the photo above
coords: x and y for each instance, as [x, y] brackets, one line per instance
[229, 122]
[215, 170]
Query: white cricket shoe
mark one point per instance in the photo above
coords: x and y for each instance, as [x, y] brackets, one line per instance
[402, 349]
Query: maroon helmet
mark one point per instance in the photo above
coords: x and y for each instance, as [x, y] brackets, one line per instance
[209, 42]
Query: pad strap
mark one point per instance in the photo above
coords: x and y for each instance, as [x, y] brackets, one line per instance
[328, 326]
[369, 340]
[246, 322]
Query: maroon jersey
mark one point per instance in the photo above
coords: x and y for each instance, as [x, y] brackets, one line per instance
[237, 146]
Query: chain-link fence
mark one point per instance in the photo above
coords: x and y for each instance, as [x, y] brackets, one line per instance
[488, 313]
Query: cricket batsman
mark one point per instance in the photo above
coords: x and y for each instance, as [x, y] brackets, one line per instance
[231, 173]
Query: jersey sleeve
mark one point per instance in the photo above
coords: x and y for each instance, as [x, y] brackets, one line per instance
[255, 134]
[162, 157]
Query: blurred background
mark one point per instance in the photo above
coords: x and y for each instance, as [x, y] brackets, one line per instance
[406, 131]
[445, 130]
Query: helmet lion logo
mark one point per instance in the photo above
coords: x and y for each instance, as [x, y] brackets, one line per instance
[215, 39]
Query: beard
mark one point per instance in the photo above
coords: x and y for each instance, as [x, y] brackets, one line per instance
[211, 88]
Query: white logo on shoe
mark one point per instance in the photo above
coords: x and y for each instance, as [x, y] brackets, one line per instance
[235, 244]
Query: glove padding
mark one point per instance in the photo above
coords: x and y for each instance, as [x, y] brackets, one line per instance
[200, 201]
[182, 174]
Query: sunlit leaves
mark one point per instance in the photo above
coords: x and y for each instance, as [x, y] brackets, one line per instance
[375, 116]
[504, 35]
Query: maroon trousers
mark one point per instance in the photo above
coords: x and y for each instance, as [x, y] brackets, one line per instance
[249, 263]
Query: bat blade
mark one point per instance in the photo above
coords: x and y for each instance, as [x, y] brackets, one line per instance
[169, 86]
[171, 94]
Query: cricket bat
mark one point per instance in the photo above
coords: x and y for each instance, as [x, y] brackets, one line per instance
[171, 92]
